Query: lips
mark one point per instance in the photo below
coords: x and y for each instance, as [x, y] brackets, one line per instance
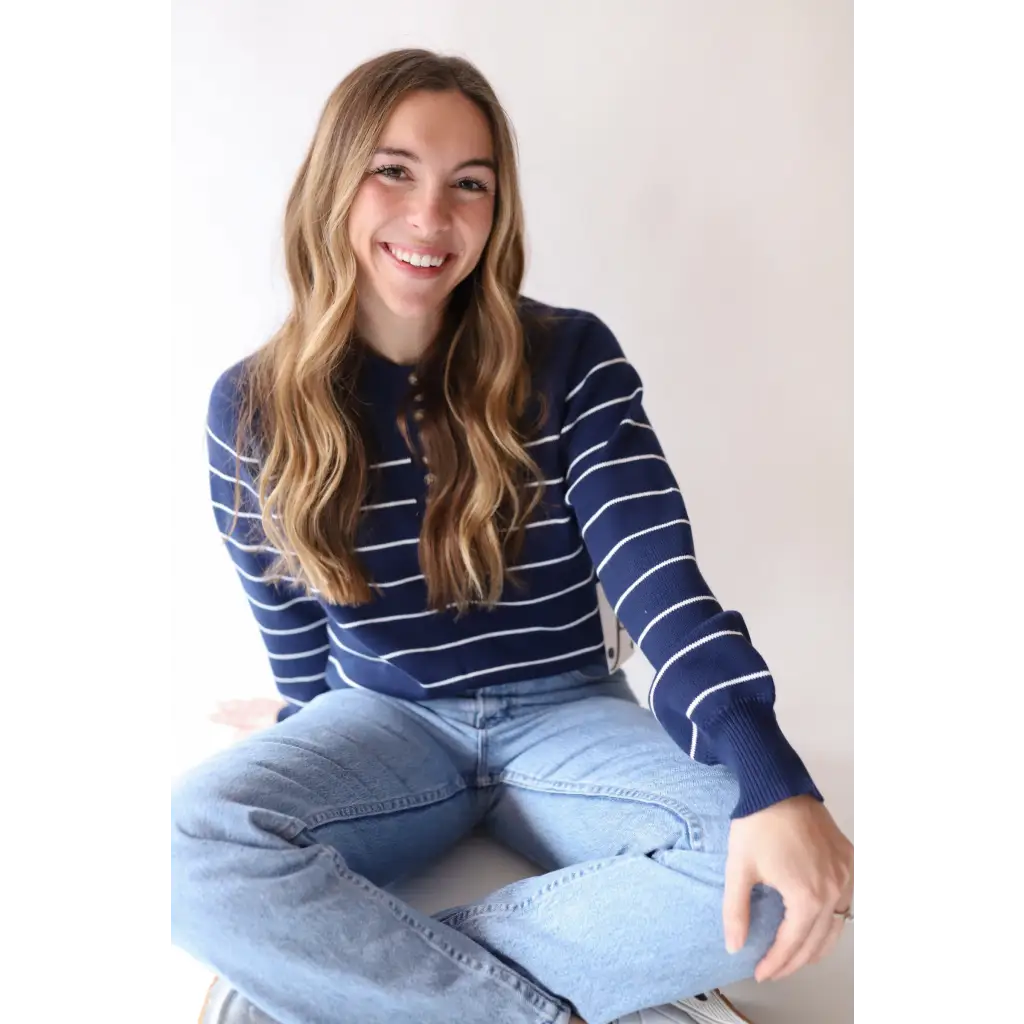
[425, 261]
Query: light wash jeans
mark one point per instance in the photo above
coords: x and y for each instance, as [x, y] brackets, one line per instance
[284, 845]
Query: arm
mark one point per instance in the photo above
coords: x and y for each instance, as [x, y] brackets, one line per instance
[712, 691]
[293, 627]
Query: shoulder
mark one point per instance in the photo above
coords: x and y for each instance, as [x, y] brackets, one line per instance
[565, 341]
[225, 400]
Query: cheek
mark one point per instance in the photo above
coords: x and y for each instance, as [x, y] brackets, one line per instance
[475, 224]
[371, 209]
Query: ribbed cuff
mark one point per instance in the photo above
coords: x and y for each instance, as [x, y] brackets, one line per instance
[747, 739]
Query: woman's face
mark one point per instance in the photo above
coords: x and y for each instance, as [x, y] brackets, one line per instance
[422, 215]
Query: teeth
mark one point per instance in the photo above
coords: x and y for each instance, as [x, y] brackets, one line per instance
[415, 258]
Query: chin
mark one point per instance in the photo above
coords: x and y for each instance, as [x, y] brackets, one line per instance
[411, 307]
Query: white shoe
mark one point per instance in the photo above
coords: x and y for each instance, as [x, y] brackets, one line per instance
[224, 1005]
[707, 1008]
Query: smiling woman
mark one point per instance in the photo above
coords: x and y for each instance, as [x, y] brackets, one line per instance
[421, 218]
[420, 479]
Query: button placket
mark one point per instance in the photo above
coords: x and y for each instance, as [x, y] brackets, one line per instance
[418, 415]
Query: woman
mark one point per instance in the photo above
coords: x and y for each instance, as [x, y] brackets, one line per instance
[420, 480]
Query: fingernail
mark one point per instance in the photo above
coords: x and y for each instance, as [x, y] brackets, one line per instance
[730, 946]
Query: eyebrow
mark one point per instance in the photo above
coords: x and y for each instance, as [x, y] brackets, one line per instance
[413, 158]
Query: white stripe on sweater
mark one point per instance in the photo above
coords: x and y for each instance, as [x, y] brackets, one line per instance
[260, 579]
[549, 561]
[598, 408]
[607, 362]
[389, 544]
[548, 522]
[341, 672]
[503, 604]
[488, 636]
[549, 597]
[279, 607]
[627, 497]
[750, 677]
[231, 511]
[639, 533]
[393, 462]
[398, 583]
[515, 664]
[387, 658]
[603, 444]
[300, 679]
[605, 465]
[228, 448]
[711, 689]
[250, 547]
[290, 632]
[299, 654]
[672, 608]
[352, 651]
[679, 654]
[385, 618]
[387, 504]
[230, 479]
[638, 581]
[583, 455]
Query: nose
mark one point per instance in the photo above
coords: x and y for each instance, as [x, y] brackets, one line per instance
[429, 213]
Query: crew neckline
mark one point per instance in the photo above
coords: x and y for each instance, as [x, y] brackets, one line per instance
[379, 359]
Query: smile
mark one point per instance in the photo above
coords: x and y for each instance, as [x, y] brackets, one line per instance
[420, 263]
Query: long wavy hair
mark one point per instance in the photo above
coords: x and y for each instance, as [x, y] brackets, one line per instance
[300, 416]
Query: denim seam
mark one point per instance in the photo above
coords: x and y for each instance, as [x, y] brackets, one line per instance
[504, 976]
[694, 828]
[378, 807]
[481, 758]
[490, 909]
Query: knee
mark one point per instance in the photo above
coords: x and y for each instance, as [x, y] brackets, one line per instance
[766, 913]
[215, 830]
[200, 801]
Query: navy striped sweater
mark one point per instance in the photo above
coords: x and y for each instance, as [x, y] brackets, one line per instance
[612, 511]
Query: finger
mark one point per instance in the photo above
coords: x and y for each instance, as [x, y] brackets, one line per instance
[830, 943]
[817, 938]
[739, 880]
[800, 918]
[837, 929]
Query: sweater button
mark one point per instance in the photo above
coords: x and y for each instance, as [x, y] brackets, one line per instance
[418, 415]
[413, 379]
[428, 479]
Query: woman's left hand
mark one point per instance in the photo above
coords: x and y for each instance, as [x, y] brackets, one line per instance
[796, 848]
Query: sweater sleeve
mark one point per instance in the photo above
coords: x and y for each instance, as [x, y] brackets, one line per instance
[293, 626]
[712, 692]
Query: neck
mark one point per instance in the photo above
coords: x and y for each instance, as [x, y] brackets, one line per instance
[400, 339]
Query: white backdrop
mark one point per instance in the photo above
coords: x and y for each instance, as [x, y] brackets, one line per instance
[687, 175]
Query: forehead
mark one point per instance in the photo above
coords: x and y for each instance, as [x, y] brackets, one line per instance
[439, 127]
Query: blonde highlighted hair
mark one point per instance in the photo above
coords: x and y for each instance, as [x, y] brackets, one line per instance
[300, 417]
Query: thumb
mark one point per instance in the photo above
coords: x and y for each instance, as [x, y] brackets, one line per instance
[739, 880]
